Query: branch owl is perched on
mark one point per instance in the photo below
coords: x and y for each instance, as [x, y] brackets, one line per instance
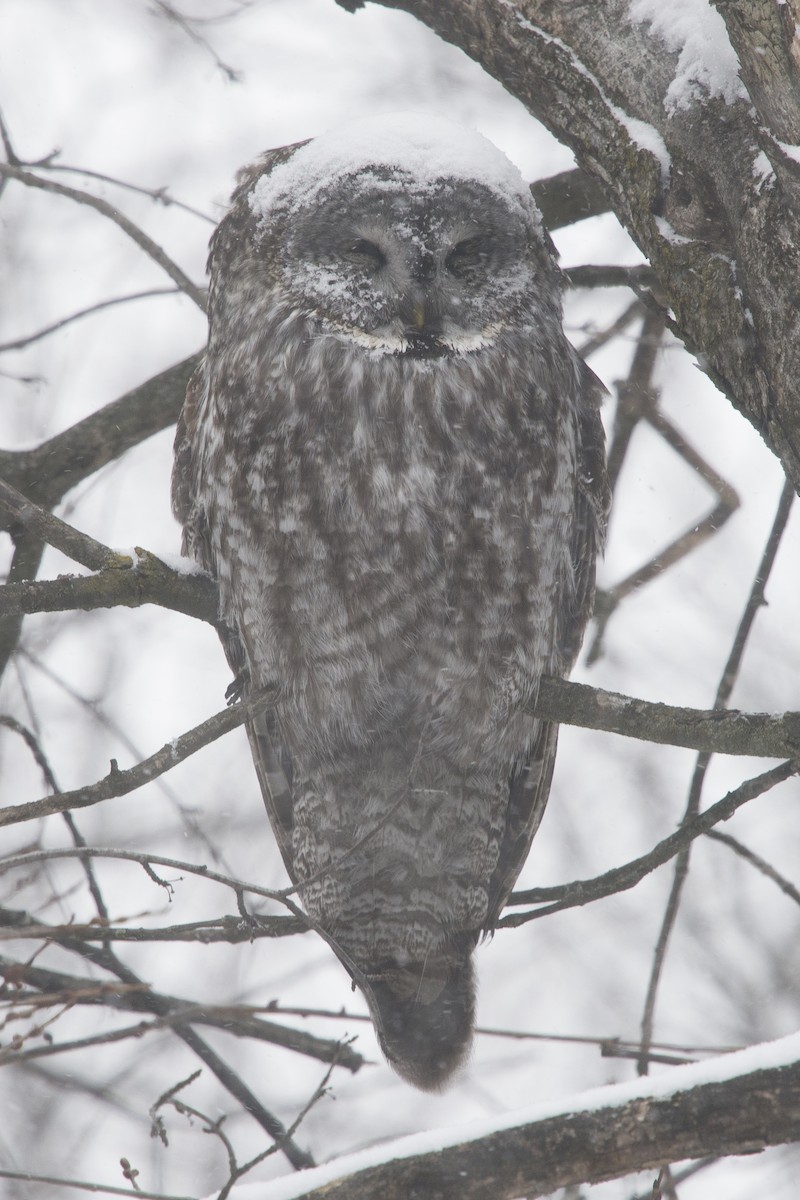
[392, 460]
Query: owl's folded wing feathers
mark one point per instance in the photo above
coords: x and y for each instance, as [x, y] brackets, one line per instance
[530, 782]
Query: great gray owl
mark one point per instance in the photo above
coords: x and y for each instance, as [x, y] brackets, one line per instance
[392, 460]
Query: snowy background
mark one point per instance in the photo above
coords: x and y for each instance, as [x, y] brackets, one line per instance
[118, 89]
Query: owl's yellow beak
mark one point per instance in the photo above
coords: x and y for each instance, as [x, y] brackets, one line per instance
[418, 315]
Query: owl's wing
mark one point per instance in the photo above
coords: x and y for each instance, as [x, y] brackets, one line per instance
[530, 781]
[196, 542]
[592, 502]
[527, 799]
[272, 762]
[195, 527]
[274, 770]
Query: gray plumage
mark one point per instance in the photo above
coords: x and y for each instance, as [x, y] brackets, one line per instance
[392, 460]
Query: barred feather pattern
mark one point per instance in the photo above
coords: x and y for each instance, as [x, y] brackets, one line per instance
[404, 543]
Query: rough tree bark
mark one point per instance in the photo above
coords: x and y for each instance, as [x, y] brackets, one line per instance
[722, 238]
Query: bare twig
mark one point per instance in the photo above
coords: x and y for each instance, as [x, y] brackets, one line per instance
[21, 342]
[756, 861]
[755, 601]
[598, 276]
[622, 878]
[680, 1176]
[145, 243]
[105, 1189]
[121, 782]
[15, 861]
[10, 1055]
[229, 929]
[160, 195]
[239, 1021]
[187, 25]
[638, 401]
[32, 742]
[47, 472]
[97, 713]
[602, 337]
[149, 1001]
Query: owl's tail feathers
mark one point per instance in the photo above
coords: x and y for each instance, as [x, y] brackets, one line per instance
[424, 1014]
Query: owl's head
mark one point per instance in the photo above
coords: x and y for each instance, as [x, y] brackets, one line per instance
[403, 235]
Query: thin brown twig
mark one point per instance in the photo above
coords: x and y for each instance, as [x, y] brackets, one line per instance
[186, 25]
[680, 1176]
[318, 1093]
[43, 763]
[620, 879]
[608, 1045]
[141, 858]
[228, 929]
[13, 1056]
[638, 401]
[98, 714]
[756, 861]
[32, 742]
[596, 341]
[160, 195]
[56, 987]
[161, 1006]
[121, 782]
[20, 343]
[85, 1186]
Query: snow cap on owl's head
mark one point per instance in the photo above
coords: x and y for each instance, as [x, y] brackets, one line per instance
[418, 148]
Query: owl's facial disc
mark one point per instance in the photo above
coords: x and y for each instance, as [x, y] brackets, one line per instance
[398, 271]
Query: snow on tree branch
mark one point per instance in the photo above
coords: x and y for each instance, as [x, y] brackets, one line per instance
[734, 1104]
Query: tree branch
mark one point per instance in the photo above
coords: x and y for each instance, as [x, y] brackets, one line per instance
[172, 1010]
[679, 174]
[150, 581]
[762, 33]
[730, 732]
[21, 342]
[46, 473]
[569, 197]
[753, 1102]
[120, 783]
[87, 1185]
[127, 583]
[22, 518]
[620, 879]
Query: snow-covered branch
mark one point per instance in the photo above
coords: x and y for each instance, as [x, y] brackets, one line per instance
[736, 1104]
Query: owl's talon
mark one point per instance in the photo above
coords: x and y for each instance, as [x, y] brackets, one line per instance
[237, 688]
